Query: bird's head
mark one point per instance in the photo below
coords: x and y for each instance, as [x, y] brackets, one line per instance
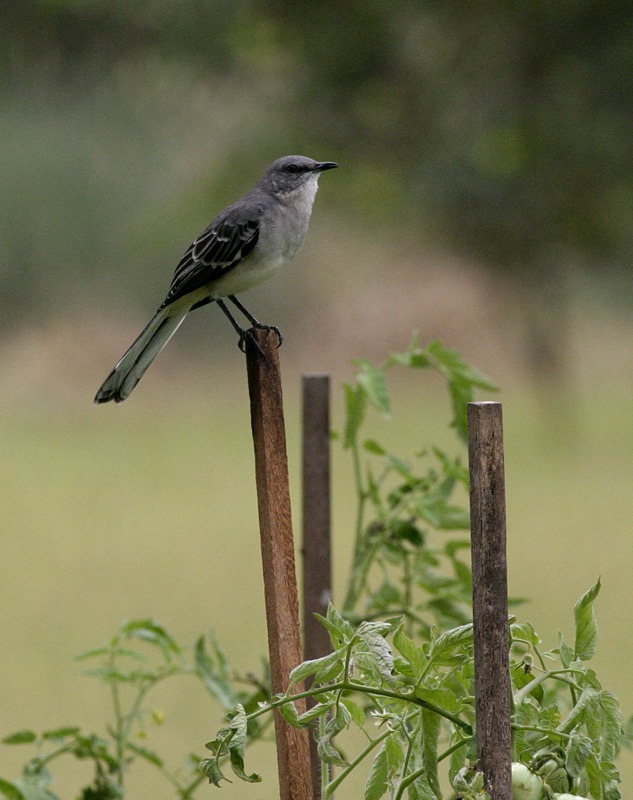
[290, 173]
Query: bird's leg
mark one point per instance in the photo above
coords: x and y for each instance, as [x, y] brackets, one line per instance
[243, 334]
[255, 323]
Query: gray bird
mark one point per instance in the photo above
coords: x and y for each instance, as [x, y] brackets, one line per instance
[243, 246]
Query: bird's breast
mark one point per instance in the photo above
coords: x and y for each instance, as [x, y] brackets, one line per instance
[281, 234]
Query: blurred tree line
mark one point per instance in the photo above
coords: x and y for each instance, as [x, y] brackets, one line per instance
[500, 130]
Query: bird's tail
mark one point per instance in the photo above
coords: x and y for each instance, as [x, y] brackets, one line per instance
[131, 368]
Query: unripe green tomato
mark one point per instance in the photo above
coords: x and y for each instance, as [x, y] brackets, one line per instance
[525, 784]
[569, 797]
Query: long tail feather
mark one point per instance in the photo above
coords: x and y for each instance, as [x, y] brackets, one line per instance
[131, 368]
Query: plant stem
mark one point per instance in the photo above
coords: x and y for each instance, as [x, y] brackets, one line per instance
[453, 747]
[118, 724]
[344, 773]
[359, 687]
[356, 580]
[410, 740]
[560, 674]
[544, 731]
[408, 781]
[325, 767]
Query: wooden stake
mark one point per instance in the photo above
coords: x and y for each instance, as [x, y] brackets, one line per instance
[280, 584]
[316, 531]
[490, 596]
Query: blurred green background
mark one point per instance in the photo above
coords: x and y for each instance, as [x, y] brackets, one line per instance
[485, 197]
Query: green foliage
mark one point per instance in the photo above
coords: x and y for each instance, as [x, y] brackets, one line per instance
[141, 655]
[401, 663]
[565, 725]
[406, 501]
[566, 728]
[402, 652]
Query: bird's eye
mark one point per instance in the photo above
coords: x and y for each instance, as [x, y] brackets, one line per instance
[293, 169]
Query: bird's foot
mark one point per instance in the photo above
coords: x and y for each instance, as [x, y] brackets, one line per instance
[247, 336]
[262, 327]
[250, 337]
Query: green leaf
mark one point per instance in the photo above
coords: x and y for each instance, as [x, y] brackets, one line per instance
[355, 405]
[452, 466]
[592, 769]
[330, 672]
[412, 652]
[127, 653]
[355, 711]
[10, 791]
[452, 518]
[372, 634]
[95, 651]
[413, 357]
[611, 725]
[395, 755]
[34, 786]
[376, 784]
[564, 651]
[307, 668]
[385, 597]
[108, 674]
[210, 768]
[289, 712]
[20, 737]
[461, 379]
[372, 380]
[224, 668]
[403, 667]
[455, 545]
[451, 641]
[337, 637]
[442, 516]
[525, 632]
[611, 779]
[147, 630]
[586, 706]
[237, 746]
[60, 733]
[405, 529]
[586, 625]
[452, 360]
[148, 755]
[218, 745]
[457, 760]
[603, 779]
[329, 753]
[340, 630]
[442, 697]
[461, 394]
[317, 710]
[372, 446]
[216, 685]
[420, 790]
[325, 748]
[401, 467]
[577, 752]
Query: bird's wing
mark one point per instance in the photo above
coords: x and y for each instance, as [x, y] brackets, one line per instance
[227, 240]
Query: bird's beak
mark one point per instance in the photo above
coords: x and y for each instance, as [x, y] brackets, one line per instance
[323, 165]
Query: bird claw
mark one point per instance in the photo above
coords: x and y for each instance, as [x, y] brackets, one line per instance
[244, 335]
[273, 328]
[248, 335]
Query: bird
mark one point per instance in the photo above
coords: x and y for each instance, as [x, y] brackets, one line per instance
[243, 246]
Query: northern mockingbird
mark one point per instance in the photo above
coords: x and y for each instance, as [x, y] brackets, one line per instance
[243, 246]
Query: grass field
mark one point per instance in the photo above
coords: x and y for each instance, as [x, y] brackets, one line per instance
[149, 511]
